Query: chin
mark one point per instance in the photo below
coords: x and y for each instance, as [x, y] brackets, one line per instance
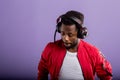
[68, 47]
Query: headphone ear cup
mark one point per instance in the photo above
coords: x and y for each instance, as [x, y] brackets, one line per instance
[58, 27]
[82, 32]
[58, 21]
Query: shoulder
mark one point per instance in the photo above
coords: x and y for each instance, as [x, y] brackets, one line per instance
[91, 49]
[55, 44]
[50, 47]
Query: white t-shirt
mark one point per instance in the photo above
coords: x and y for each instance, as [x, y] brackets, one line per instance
[71, 69]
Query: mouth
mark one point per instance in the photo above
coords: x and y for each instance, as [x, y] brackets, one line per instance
[67, 44]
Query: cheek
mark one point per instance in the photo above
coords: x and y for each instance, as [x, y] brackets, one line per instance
[73, 40]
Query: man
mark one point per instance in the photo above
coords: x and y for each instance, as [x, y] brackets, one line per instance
[71, 58]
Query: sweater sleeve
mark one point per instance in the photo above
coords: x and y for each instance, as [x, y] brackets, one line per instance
[43, 64]
[102, 66]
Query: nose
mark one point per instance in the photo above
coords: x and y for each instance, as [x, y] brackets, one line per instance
[66, 37]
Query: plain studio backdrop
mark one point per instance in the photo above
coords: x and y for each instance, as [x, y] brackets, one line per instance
[26, 26]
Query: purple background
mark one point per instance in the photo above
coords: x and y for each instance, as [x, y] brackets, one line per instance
[26, 26]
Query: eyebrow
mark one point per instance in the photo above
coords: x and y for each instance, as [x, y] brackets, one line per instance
[68, 32]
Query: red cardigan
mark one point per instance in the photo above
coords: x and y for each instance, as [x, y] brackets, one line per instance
[90, 59]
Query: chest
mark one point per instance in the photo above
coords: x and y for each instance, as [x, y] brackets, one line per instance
[57, 58]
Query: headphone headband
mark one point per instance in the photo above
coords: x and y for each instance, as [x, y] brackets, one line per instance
[76, 20]
[73, 19]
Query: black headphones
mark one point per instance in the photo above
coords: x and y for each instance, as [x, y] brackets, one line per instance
[82, 31]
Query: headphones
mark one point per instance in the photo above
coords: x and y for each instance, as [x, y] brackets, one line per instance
[82, 31]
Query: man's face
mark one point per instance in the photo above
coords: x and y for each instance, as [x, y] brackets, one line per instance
[69, 35]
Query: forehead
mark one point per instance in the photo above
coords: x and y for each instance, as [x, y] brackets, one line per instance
[68, 28]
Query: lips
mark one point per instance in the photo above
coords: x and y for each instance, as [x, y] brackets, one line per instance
[67, 43]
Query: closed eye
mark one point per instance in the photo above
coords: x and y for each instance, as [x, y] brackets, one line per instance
[70, 34]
